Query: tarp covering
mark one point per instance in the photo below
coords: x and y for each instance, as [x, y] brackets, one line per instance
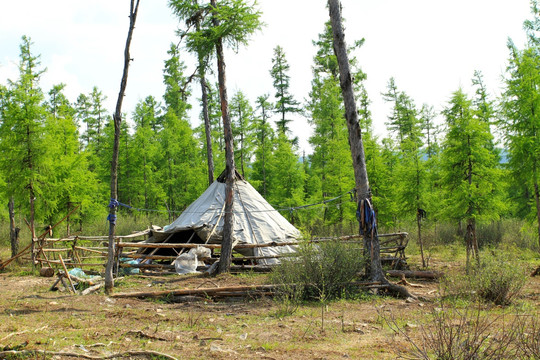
[255, 220]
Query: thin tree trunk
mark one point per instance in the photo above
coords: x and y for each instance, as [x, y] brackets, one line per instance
[206, 117]
[263, 144]
[419, 212]
[67, 219]
[109, 281]
[537, 198]
[420, 242]
[363, 192]
[207, 129]
[13, 231]
[226, 247]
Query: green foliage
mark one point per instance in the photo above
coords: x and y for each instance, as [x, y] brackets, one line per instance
[470, 176]
[285, 102]
[24, 162]
[264, 135]
[286, 177]
[243, 129]
[147, 192]
[520, 123]
[71, 182]
[331, 173]
[320, 272]
[237, 21]
[176, 90]
[497, 279]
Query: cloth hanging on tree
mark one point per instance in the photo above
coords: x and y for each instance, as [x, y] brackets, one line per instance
[366, 217]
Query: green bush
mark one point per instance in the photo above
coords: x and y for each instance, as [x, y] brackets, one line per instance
[320, 272]
[496, 280]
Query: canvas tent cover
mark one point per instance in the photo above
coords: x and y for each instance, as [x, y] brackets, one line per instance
[255, 221]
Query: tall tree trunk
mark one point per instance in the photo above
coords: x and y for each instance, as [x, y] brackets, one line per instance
[420, 213]
[363, 192]
[206, 117]
[68, 205]
[13, 231]
[263, 144]
[109, 281]
[420, 241]
[226, 247]
[207, 129]
[537, 198]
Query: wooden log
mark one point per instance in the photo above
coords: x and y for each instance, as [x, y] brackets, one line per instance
[216, 291]
[92, 289]
[21, 253]
[205, 291]
[415, 274]
[46, 272]
[57, 262]
[209, 246]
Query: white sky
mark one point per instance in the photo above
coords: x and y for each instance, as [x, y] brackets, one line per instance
[431, 47]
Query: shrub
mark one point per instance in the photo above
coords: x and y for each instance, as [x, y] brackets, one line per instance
[496, 280]
[499, 281]
[320, 272]
[461, 334]
[529, 336]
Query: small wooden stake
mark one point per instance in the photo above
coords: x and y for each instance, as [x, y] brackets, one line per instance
[67, 274]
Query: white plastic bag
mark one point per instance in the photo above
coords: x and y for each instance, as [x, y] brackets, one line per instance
[186, 263]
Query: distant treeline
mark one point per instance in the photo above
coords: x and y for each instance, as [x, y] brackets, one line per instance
[56, 152]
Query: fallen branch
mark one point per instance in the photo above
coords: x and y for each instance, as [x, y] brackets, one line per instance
[13, 334]
[414, 274]
[222, 291]
[21, 253]
[205, 291]
[141, 334]
[404, 282]
[128, 354]
[92, 289]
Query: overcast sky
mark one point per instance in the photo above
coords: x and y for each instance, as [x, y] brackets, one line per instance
[430, 47]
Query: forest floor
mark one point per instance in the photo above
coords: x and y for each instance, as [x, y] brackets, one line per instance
[97, 326]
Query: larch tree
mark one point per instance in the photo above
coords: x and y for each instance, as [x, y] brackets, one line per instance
[194, 14]
[227, 22]
[242, 122]
[470, 175]
[181, 173]
[285, 103]
[23, 116]
[264, 135]
[521, 116]
[410, 174]
[13, 229]
[71, 182]
[285, 177]
[145, 175]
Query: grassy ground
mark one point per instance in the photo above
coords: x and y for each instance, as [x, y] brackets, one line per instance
[34, 318]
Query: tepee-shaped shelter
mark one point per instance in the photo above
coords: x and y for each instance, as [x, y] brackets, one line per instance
[255, 222]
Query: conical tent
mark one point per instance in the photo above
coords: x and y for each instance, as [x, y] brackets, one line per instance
[255, 222]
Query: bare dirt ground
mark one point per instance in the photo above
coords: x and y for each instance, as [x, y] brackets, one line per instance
[97, 326]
